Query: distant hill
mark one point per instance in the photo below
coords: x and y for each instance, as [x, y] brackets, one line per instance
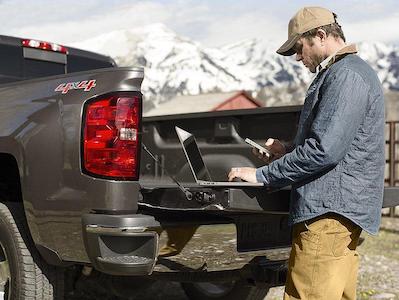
[175, 65]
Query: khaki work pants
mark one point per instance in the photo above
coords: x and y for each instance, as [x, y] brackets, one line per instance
[178, 237]
[324, 262]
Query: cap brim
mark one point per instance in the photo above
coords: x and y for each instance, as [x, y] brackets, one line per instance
[287, 48]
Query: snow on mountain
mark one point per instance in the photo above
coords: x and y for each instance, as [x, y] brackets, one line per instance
[172, 64]
[177, 65]
[385, 61]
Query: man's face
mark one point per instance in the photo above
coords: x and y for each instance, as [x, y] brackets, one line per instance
[309, 52]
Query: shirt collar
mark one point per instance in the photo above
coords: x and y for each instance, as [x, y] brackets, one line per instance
[348, 49]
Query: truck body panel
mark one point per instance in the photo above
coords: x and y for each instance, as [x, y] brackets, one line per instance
[41, 129]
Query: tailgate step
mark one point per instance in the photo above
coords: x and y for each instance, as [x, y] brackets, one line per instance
[122, 244]
[127, 259]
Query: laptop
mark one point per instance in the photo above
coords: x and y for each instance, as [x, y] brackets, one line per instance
[197, 165]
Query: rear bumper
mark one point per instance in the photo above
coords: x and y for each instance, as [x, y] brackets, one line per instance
[128, 245]
[259, 271]
[121, 244]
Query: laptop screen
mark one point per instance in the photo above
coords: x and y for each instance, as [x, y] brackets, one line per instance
[194, 155]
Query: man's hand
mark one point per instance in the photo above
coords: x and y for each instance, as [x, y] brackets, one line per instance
[245, 173]
[275, 147]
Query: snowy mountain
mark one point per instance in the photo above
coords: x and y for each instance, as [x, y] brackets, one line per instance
[177, 65]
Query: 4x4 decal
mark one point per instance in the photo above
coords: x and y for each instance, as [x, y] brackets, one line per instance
[86, 85]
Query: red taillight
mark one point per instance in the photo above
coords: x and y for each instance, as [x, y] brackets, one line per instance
[111, 144]
[44, 46]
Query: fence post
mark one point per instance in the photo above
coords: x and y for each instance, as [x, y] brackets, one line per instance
[392, 160]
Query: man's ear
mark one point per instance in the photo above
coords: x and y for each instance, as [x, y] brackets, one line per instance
[321, 34]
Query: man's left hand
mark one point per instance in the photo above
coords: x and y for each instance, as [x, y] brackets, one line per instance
[245, 174]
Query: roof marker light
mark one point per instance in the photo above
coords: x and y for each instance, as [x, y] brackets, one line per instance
[44, 46]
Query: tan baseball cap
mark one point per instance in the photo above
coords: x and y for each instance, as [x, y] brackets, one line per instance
[307, 18]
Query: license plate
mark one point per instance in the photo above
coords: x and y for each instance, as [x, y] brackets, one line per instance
[262, 232]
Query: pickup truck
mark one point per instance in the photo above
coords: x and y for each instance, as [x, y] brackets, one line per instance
[90, 189]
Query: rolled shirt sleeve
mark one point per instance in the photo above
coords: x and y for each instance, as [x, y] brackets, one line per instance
[340, 110]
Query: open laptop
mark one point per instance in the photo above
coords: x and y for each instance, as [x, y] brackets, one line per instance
[197, 165]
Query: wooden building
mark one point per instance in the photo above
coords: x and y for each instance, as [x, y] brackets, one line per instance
[204, 103]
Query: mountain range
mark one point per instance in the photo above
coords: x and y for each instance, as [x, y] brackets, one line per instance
[177, 65]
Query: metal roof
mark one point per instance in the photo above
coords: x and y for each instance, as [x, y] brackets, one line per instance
[193, 103]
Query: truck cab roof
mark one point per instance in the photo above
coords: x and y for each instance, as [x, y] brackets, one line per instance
[22, 59]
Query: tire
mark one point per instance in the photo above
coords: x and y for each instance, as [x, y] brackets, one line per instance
[223, 291]
[23, 273]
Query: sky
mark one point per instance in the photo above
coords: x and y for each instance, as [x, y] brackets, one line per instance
[212, 23]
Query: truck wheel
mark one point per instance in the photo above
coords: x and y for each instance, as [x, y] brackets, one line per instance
[23, 273]
[223, 291]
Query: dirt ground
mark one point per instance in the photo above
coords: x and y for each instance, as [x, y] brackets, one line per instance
[378, 274]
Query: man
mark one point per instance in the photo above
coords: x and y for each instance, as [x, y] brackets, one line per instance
[336, 165]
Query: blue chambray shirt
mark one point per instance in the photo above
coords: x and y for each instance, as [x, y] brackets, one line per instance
[337, 164]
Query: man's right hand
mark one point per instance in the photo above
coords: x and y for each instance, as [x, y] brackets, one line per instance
[276, 148]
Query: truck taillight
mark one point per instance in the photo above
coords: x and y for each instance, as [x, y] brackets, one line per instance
[111, 140]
